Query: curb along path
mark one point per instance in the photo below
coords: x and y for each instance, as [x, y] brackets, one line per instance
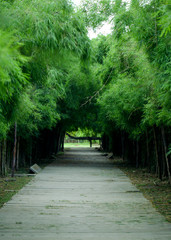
[81, 196]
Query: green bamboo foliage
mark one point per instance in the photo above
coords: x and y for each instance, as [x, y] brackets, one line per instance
[53, 78]
[42, 35]
[135, 67]
[132, 66]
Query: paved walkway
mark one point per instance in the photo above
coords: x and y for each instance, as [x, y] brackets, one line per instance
[81, 196]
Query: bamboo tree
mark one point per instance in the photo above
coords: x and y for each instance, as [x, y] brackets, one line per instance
[14, 150]
[4, 170]
[156, 154]
[165, 151]
[18, 153]
[147, 148]
[53, 76]
[0, 158]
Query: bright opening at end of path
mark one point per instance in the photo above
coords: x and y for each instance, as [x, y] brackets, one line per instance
[104, 30]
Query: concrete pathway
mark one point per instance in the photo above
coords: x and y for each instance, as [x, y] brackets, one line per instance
[81, 196]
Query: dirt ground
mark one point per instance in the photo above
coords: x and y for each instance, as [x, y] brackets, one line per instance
[10, 186]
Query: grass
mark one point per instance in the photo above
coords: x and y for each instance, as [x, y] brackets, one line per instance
[155, 190]
[80, 144]
[10, 186]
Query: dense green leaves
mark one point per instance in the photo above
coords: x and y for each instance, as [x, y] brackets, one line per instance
[11, 62]
[51, 73]
[43, 46]
[133, 67]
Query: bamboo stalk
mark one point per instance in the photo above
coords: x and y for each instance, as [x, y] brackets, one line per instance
[0, 158]
[4, 158]
[14, 151]
[156, 152]
[137, 154]
[165, 151]
[18, 153]
[148, 153]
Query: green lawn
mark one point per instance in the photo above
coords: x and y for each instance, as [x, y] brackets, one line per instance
[83, 144]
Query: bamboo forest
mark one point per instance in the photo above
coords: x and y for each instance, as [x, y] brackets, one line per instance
[55, 79]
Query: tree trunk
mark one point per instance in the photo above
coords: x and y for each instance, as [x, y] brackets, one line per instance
[63, 137]
[123, 145]
[90, 143]
[24, 159]
[59, 141]
[18, 153]
[30, 157]
[137, 154]
[14, 151]
[165, 151]
[148, 153]
[164, 162]
[156, 153]
[4, 158]
[0, 158]
[8, 156]
[134, 150]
